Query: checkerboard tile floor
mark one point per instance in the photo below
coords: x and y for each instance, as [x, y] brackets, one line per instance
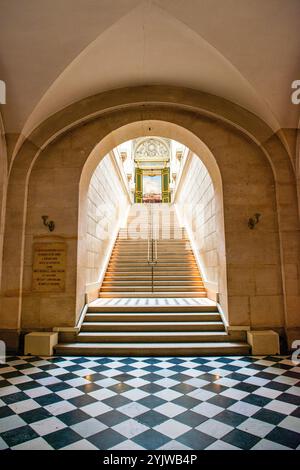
[149, 403]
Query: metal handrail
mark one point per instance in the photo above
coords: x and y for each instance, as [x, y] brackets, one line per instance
[155, 251]
[148, 257]
[152, 241]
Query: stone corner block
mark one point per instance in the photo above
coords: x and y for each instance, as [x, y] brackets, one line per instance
[40, 343]
[264, 342]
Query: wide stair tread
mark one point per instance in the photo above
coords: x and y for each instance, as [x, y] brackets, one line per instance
[153, 336]
[153, 349]
[143, 326]
[149, 294]
[172, 309]
[142, 317]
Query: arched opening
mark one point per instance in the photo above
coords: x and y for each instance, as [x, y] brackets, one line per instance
[62, 161]
[202, 214]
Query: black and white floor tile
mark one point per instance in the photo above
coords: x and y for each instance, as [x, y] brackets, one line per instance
[174, 403]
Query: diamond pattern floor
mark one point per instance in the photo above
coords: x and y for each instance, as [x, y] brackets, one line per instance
[149, 403]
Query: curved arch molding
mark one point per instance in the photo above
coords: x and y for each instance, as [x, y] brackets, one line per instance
[254, 168]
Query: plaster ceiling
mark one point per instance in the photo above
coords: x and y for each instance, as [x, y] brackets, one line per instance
[55, 52]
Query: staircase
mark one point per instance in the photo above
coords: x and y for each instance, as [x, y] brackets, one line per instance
[175, 272]
[161, 331]
[152, 300]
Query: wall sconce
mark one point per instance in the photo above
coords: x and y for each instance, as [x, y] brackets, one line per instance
[123, 156]
[50, 224]
[253, 221]
[179, 155]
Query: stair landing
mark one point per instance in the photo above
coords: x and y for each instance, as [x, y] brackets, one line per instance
[151, 302]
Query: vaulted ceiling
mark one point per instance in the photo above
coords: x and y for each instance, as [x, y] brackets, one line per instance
[56, 52]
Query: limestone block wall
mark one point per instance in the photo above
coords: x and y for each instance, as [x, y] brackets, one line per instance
[197, 207]
[253, 257]
[106, 206]
[259, 269]
[242, 265]
[53, 191]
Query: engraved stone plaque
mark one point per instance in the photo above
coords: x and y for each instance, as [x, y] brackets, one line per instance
[49, 267]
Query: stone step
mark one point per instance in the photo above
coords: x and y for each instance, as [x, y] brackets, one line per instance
[153, 337]
[153, 349]
[162, 264]
[161, 244]
[140, 253]
[136, 252]
[156, 282]
[162, 247]
[157, 221]
[165, 260]
[150, 294]
[159, 287]
[145, 233]
[146, 269]
[157, 310]
[148, 289]
[166, 233]
[169, 284]
[97, 326]
[140, 250]
[157, 269]
[128, 240]
[145, 226]
[161, 238]
[115, 315]
[147, 275]
[147, 285]
[163, 255]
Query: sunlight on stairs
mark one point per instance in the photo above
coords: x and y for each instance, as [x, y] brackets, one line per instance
[153, 309]
[176, 273]
[132, 327]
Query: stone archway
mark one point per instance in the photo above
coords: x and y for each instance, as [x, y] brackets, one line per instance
[237, 139]
[162, 129]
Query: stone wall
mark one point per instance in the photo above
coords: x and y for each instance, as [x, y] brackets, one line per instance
[53, 191]
[107, 205]
[197, 206]
[253, 257]
[259, 276]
